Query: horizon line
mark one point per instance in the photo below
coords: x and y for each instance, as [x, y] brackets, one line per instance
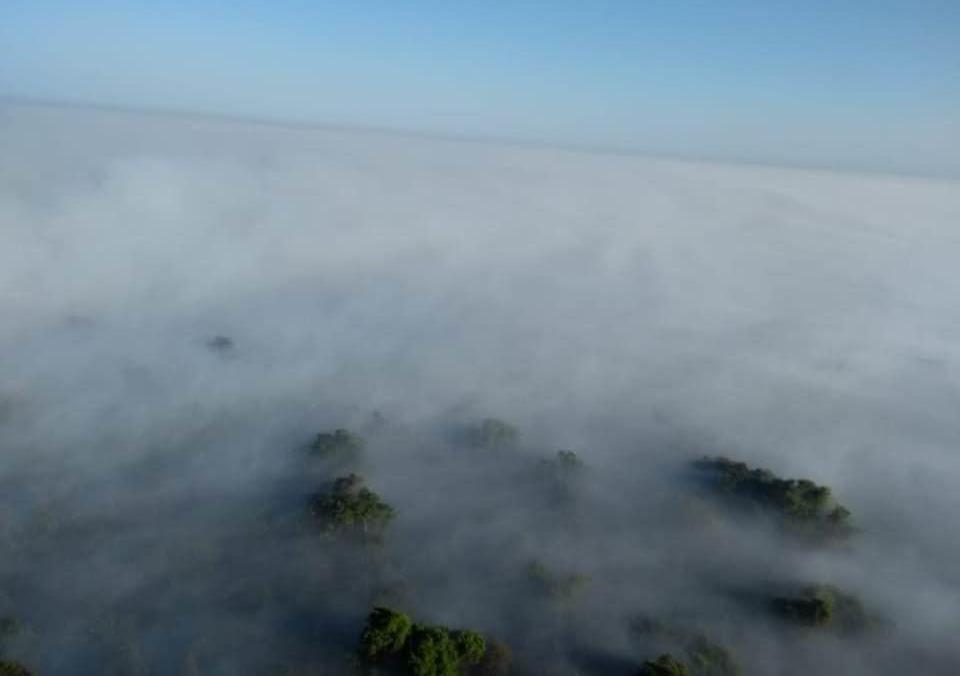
[306, 124]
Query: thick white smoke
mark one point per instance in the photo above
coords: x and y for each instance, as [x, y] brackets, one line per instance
[641, 312]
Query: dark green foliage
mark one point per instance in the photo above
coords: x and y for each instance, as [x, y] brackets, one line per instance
[823, 606]
[391, 638]
[470, 645]
[703, 656]
[800, 502]
[432, 652]
[709, 659]
[492, 434]
[554, 585]
[386, 633]
[340, 444]
[351, 506]
[10, 626]
[665, 665]
[839, 516]
[812, 611]
[497, 660]
[13, 669]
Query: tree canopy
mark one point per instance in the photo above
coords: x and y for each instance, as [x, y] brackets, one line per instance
[665, 665]
[497, 660]
[386, 633]
[554, 584]
[340, 444]
[420, 649]
[703, 656]
[350, 505]
[564, 465]
[492, 434]
[10, 626]
[823, 606]
[800, 502]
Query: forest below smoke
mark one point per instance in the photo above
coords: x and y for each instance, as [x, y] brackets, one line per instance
[289, 400]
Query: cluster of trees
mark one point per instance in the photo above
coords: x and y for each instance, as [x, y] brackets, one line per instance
[562, 473]
[8, 668]
[9, 627]
[348, 506]
[802, 503]
[340, 445]
[492, 434]
[823, 606]
[220, 343]
[564, 465]
[665, 665]
[701, 656]
[556, 585]
[393, 641]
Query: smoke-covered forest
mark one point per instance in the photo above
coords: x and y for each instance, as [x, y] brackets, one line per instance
[288, 401]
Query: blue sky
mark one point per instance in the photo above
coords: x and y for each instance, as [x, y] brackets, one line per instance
[869, 84]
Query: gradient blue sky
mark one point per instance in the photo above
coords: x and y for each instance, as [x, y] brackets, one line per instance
[869, 84]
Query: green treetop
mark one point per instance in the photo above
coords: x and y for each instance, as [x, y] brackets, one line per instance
[350, 505]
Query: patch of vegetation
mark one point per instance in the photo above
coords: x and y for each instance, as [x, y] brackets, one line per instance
[9, 626]
[555, 585]
[393, 640]
[492, 434]
[497, 660]
[560, 476]
[801, 503]
[340, 445]
[710, 659]
[564, 465]
[8, 668]
[220, 344]
[386, 633]
[823, 606]
[665, 665]
[432, 652]
[349, 506]
[703, 656]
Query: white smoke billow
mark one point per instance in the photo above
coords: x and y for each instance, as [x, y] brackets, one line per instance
[186, 302]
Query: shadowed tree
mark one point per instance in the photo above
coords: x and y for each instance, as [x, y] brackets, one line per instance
[10, 626]
[390, 639]
[823, 606]
[470, 645]
[340, 445]
[665, 665]
[497, 660]
[220, 344]
[432, 652]
[804, 505]
[561, 474]
[350, 506]
[564, 466]
[703, 656]
[556, 585]
[8, 668]
[385, 634]
[492, 434]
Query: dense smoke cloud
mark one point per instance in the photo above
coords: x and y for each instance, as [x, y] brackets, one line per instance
[642, 313]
